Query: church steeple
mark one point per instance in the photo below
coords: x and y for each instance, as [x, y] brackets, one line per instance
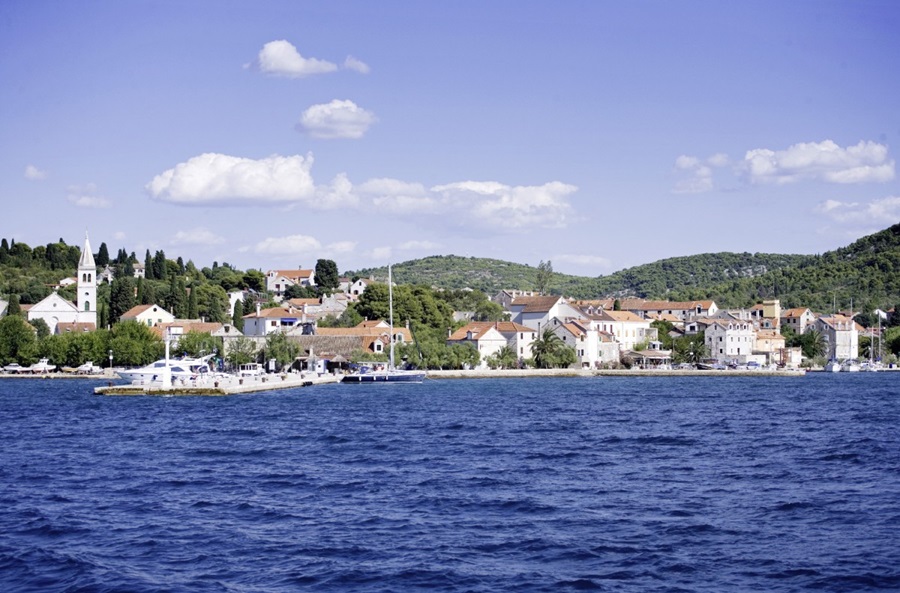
[87, 284]
[87, 256]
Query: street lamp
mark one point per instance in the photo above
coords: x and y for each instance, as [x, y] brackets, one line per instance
[110, 361]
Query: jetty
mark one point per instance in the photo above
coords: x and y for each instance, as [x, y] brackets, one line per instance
[222, 385]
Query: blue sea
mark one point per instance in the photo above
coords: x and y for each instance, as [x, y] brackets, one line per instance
[577, 484]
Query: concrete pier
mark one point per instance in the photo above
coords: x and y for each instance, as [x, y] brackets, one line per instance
[222, 385]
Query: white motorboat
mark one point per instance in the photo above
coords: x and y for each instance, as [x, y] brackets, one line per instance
[42, 366]
[15, 368]
[178, 368]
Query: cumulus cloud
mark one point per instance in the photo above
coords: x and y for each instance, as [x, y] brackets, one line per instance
[301, 246]
[885, 211]
[352, 63]
[502, 206]
[337, 119]
[197, 236]
[824, 161]
[281, 58]
[32, 173]
[338, 194]
[396, 196]
[696, 175]
[213, 178]
[85, 196]
[290, 245]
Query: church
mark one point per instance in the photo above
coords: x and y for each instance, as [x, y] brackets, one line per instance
[61, 315]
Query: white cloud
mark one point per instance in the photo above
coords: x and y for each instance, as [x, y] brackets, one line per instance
[496, 205]
[290, 245]
[825, 161]
[197, 236]
[699, 173]
[339, 194]
[396, 196]
[352, 63]
[119, 235]
[281, 58]
[213, 178]
[337, 119]
[32, 173]
[298, 246]
[86, 196]
[883, 212]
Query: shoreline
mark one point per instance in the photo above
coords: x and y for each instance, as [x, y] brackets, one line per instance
[541, 373]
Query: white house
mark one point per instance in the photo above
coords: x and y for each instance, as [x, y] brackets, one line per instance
[537, 312]
[489, 337]
[149, 315]
[585, 340]
[278, 281]
[798, 319]
[628, 329]
[730, 339]
[841, 335]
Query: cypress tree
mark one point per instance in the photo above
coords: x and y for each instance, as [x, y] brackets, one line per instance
[193, 311]
[237, 318]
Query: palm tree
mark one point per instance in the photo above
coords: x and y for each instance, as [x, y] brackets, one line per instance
[550, 351]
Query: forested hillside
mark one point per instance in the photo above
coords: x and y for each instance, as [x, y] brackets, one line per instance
[656, 280]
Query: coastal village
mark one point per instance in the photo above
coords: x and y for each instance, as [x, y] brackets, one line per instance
[603, 333]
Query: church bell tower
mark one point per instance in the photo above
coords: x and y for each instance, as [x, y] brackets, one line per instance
[87, 285]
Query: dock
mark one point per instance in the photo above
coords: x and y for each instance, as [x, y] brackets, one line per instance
[222, 385]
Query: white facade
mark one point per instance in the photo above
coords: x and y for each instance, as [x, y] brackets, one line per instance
[149, 315]
[730, 339]
[841, 336]
[628, 329]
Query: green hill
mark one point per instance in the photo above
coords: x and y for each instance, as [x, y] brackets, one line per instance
[656, 280]
[866, 272]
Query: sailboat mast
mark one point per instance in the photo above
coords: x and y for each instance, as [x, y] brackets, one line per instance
[391, 314]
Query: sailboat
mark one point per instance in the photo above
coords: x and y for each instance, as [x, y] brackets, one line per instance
[391, 374]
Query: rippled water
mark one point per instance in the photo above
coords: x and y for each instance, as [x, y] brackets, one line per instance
[610, 484]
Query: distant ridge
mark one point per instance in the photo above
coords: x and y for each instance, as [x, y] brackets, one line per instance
[867, 272]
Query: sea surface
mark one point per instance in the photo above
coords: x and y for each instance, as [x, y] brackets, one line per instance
[565, 484]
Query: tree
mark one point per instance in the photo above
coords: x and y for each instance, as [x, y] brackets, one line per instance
[549, 351]
[17, 340]
[505, 358]
[544, 276]
[42, 330]
[102, 258]
[254, 280]
[134, 344]
[327, 277]
[237, 318]
[490, 311]
[14, 308]
[193, 311]
[121, 297]
[280, 349]
[241, 351]
[812, 343]
[197, 344]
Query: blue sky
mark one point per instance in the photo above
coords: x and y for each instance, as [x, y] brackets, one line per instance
[596, 135]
